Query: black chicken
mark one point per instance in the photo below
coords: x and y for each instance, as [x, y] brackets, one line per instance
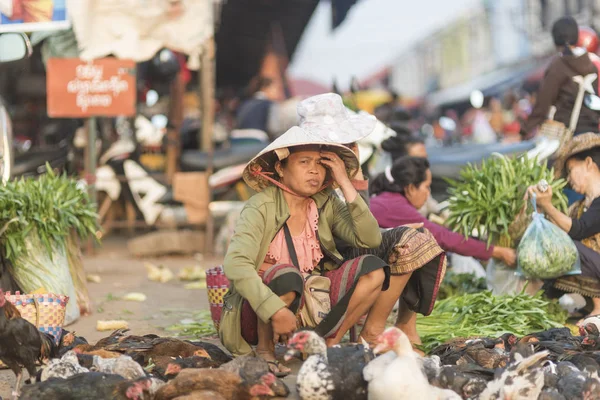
[453, 351]
[167, 368]
[68, 341]
[21, 343]
[335, 372]
[252, 370]
[467, 381]
[552, 334]
[214, 351]
[88, 386]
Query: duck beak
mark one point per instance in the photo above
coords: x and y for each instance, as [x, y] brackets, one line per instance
[291, 353]
[380, 348]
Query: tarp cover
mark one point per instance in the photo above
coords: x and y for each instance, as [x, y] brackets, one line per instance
[137, 29]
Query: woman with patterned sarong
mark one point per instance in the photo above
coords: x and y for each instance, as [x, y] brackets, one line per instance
[398, 195]
[294, 176]
[580, 163]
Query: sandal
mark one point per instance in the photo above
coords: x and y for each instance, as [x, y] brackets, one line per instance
[278, 369]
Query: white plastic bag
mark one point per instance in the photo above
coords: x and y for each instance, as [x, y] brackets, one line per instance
[35, 269]
[466, 265]
[501, 280]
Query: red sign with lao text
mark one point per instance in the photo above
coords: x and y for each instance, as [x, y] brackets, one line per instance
[77, 89]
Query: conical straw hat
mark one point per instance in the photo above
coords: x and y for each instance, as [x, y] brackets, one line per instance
[264, 162]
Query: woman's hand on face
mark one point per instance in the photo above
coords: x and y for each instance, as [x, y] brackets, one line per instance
[336, 165]
[543, 199]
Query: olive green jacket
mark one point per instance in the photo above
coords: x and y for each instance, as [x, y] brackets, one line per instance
[260, 220]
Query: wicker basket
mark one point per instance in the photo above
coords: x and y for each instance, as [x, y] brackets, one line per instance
[217, 286]
[45, 311]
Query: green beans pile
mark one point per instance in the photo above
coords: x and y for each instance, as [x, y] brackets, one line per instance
[483, 314]
[489, 199]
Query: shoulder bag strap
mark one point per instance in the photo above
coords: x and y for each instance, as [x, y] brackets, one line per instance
[290, 245]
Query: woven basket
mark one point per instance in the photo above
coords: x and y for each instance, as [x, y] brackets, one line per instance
[556, 130]
[45, 311]
[217, 286]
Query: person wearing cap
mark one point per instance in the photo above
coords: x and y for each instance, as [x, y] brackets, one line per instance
[294, 177]
[581, 165]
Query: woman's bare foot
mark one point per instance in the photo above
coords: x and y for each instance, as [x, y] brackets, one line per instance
[277, 368]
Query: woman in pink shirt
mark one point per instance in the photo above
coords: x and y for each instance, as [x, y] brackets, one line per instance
[403, 189]
[398, 195]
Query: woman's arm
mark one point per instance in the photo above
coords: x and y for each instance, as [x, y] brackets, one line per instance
[544, 201]
[239, 264]
[354, 224]
[392, 213]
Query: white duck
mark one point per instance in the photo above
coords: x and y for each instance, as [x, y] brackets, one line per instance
[398, 374]
[521, 380]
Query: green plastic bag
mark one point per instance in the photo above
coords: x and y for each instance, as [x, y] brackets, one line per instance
[546, 251]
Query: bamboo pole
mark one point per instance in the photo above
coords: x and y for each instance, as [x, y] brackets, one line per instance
[207, 93]
[177, 91]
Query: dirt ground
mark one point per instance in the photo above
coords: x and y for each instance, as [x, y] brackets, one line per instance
[166, 304]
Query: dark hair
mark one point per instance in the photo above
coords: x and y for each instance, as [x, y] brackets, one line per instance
[593, 153]
[398, 145]
[565, 33]
[406, 171]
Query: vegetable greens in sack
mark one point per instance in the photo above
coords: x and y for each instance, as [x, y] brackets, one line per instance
[546, 251]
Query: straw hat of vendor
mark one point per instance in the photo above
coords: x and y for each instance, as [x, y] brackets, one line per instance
[260, 171]
[326, 116]
[578, 144]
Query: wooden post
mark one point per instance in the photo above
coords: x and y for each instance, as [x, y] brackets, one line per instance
[176, 116]
[90, 167]
[207, 93]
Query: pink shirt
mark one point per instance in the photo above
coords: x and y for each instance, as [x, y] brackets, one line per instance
[393, 209]
[306, 244]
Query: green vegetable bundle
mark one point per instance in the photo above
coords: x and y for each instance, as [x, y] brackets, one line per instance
[546, 251]
[50, 207]
[490, 199]
[483, 314]
[454, 284]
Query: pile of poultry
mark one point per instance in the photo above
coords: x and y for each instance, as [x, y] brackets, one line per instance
[548, 365]
[123, 366]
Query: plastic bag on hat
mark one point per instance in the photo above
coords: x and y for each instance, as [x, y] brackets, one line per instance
[546, 251]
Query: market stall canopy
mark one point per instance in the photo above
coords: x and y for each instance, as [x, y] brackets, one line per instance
[138, 29]
[493, 83]
[245, 31]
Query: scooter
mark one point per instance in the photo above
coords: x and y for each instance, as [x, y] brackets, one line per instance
[154, 199]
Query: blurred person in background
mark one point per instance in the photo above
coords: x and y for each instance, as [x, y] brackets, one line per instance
[253, 112]
[385, 112]
[412, 146]
[558, 88]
